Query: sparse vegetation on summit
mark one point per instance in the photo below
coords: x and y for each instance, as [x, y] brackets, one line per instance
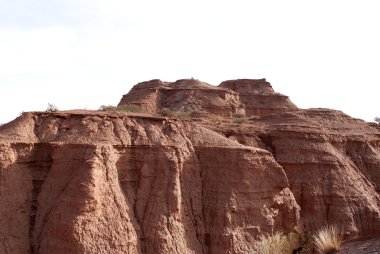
[167, 112]
[124, 108]
[107, 108]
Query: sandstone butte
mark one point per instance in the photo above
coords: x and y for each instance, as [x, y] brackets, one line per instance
[246, 163]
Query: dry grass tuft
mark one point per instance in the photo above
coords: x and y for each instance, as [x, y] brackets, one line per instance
[279, 243]
[328, 240]
[124, 108]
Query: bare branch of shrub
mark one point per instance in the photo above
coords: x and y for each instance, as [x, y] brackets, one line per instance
[51, 108]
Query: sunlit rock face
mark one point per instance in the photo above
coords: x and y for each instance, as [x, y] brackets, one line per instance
[85, 181]
[111, 183]
[184, 95]
[258, 97]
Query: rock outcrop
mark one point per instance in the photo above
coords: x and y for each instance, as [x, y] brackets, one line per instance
[117, 182]
[333, 165]
[258, 97]
[250, 97]
[331, 160]
[111, 183]
[184, 95]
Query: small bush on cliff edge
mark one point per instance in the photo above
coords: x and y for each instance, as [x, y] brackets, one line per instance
[278, 243]
[328, 240]
[51, 108]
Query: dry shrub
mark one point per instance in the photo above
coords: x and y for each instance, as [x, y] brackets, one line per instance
[184, 115]
[279, 243]
[238, 115]
[51, 108]
[180, 114]
[123, 108]
[239, 120]
[107, 108]
[328, 240]
[167, 112]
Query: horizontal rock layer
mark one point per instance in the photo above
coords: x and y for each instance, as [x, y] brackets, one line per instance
[332, 162]
[248, 97]
[183, 95]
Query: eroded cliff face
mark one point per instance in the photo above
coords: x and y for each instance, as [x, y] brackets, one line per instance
[184, 95]
[332, 162]
[113, 183]
[258, 97]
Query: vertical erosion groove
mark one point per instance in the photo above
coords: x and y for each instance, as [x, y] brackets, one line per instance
[40, 165]
[128, 168]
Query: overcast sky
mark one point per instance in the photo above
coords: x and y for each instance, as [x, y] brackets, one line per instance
[85, 53]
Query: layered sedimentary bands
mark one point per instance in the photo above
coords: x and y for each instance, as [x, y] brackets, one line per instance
[116, 182]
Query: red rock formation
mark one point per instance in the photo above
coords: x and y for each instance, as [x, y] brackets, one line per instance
[331, 160]
[253, 97]
[258, 97]
[183, 95]
[111, 183]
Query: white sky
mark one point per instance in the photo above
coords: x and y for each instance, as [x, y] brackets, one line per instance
[86, 53]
